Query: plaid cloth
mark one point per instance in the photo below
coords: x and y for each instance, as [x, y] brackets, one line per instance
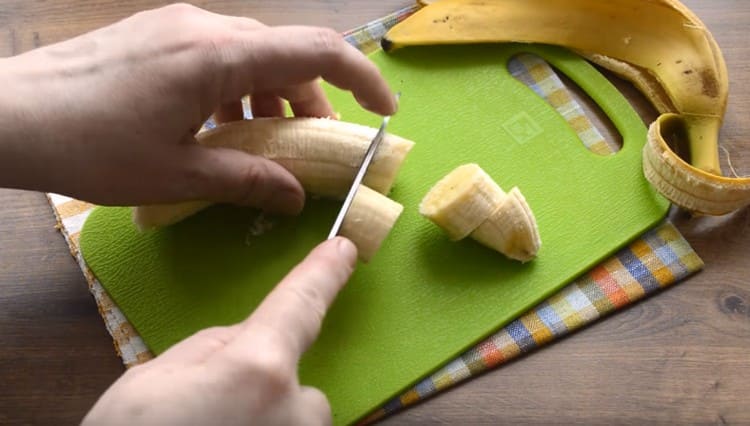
[657, 259]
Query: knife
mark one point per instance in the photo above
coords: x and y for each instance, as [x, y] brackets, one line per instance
[360, 175]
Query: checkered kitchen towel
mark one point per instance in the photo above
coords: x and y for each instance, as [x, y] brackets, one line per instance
[657, 259]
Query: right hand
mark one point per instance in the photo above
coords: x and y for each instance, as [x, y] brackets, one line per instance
[243, 374]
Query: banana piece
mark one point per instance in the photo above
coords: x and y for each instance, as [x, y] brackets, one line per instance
[660, 45]
[467, 202]
[462, 200]
[511, 229]
[157, 215]
[322, 154]
[369, 221]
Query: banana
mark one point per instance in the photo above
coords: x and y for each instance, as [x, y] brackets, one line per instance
[697, 190]
[157, 215]
[462, 200]
[646, 83]
[322, 154]
[511, 229]
[467, 202]
[369, 221]
[660, 45]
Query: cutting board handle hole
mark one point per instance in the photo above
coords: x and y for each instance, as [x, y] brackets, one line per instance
[594, 128]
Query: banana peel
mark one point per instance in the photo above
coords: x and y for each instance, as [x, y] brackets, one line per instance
[659, 45]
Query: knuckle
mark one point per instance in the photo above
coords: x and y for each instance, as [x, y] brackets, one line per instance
[272, 369]
[181, 15]
[327, 42]
[317, 403]
[189, 22]
[250, 23]
[251, 182]
[317, 398]
[181, 10]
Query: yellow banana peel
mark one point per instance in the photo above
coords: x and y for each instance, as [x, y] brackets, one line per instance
[659, 45]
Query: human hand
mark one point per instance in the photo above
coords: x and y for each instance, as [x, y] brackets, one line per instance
[110, 116]
[245, 373]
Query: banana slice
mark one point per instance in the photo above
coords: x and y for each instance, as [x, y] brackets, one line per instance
[158, 215]
[369, 221]
[659, 45]
[467, 202]
[322, 154]
[462, 200]
[511, 229]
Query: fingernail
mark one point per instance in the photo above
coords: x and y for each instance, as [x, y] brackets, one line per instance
[286, 201]
[382, 109]
[393, 107]
[347, 249]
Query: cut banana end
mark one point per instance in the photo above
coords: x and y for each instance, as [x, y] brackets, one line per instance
[369, 220]
[322, 154]
[462, 200]
[156, 215]
[511, 229]
[467, 202]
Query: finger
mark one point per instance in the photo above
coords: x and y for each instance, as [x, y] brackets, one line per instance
[308, 100]
[266, 105]
[228, 175]
[198, 347]
[272, 58]
[229, 111]
[289, 318]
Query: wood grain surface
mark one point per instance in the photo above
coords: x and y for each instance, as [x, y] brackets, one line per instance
[682, 356]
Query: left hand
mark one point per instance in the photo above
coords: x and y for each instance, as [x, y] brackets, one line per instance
[110, 116]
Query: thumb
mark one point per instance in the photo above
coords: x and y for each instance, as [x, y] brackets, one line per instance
[233, 176]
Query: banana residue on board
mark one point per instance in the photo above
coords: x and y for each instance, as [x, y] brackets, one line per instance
[260, 225]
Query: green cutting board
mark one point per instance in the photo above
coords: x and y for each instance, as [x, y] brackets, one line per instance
[422, 300]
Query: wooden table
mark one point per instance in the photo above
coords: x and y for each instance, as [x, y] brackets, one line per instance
[680, 356]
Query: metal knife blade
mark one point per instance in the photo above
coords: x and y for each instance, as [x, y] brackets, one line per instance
[359, 176]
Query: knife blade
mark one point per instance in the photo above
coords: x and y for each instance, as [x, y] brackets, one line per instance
[360, 175]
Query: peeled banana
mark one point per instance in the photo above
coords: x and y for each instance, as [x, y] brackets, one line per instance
[467, 202]
[511, 229]
[462, 200]
[369, 221]
[322, 154]
[158, 215]
[660, 45]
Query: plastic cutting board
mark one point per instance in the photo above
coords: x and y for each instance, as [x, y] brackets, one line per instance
[422, 300]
